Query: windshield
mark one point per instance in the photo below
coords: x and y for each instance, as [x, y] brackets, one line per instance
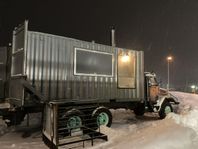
[153, 81]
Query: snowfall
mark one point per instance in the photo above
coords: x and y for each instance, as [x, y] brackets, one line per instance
[178, 130]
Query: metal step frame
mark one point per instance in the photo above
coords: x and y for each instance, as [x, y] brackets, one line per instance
[56, 131]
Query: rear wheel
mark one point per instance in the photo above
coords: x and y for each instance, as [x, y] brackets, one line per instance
[73, 121]
[100, 117]
[104, 118]
[166, 108]
[139, 109]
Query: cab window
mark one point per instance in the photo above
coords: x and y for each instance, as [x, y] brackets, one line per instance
[152, 81]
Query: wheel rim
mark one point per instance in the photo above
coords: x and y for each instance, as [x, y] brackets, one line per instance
[74, 122]
[167, 110]
[102, 119]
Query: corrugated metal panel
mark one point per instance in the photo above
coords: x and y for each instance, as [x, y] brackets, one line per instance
[1, 89]
[3, 60]
[18, 58]
[50, 69]
[3, 55]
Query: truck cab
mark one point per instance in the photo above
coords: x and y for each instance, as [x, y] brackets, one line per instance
[157, 99]
[151, 87]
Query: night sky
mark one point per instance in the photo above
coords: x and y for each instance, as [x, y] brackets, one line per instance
[157, 27]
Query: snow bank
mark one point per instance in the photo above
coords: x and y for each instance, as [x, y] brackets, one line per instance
[188, 120]
[154, 134]
[3, 127]
[177, 131]
[187, 101]
[188, 110]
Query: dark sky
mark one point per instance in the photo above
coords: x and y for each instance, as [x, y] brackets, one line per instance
[158, 27]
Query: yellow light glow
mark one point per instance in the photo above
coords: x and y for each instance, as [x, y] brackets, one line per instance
[125, 58]
[169, 58]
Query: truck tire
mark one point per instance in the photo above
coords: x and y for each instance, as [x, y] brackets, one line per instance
[165, 109]
[103, 117]
[73, 120]
[139, 109]
[100, 116]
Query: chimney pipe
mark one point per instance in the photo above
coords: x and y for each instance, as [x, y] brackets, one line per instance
[113, 44]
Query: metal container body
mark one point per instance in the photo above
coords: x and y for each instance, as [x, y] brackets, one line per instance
[48, 63]
[3, 61]
[2, 91]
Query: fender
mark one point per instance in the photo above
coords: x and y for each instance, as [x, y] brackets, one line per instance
[168, 98]
[101, 107]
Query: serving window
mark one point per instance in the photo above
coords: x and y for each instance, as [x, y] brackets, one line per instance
[92, 63]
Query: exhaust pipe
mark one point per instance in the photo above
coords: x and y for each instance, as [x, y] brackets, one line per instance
[113, 44]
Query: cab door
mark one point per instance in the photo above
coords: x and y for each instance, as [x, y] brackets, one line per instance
[153, 89]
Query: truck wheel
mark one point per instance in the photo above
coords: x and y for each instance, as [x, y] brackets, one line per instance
[165, 109]
[73, 121]
[100, 116]
[139, 109]
[103, 117]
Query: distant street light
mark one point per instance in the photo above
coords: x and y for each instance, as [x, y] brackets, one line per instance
[193, 87]
[169, 59]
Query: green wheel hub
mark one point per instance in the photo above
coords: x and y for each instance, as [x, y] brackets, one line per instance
[74, 122]
[167, 110]
[102, 119]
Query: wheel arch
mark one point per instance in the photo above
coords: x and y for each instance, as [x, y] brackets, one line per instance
[106, 110]
[166, 99]
[98, 108]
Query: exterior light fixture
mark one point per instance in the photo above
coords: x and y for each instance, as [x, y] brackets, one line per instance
[125, 57]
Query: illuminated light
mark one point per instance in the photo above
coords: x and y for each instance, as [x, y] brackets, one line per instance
[169, 58]
[125, 58]
[193, 86]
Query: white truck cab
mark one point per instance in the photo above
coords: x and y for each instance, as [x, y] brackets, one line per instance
[157, 99]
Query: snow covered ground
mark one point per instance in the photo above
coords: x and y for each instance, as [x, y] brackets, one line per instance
[177, 131]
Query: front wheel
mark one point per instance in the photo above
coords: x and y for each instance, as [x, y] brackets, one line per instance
[139, 109]
[166, 108]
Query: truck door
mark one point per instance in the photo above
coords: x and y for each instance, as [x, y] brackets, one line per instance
[126, 69]
[153, 89]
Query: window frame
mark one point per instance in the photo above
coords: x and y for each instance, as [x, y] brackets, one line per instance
[92, 74]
